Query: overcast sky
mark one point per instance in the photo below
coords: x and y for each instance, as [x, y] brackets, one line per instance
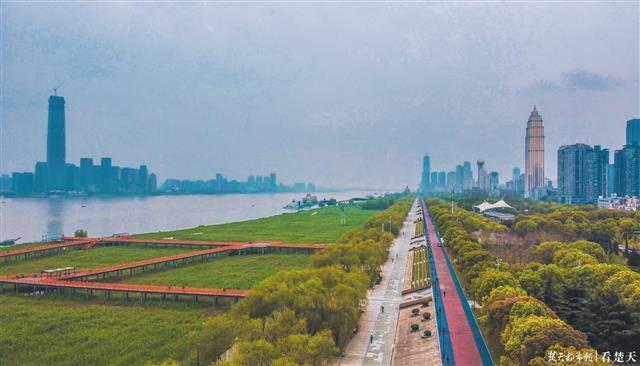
[347, 95]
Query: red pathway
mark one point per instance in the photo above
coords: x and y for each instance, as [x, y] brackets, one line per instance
[173, 290]
[42, 248]
[465, 351]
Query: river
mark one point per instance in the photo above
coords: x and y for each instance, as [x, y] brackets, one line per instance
[36, 218]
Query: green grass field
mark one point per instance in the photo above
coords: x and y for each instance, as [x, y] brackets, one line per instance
[313, 226]
[240, 272]
[73, 331]
[95, 257]
[49, 331]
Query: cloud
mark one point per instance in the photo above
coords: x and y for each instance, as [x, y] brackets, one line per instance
[576, 80]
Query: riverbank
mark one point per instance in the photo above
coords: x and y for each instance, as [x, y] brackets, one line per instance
[36, 218]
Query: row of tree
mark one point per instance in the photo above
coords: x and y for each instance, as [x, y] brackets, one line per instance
[521, 328]
[305, 317]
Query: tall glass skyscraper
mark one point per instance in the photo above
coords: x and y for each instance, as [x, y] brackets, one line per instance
[56, 145]
[633, 132]
[425, 180]
[534, 156]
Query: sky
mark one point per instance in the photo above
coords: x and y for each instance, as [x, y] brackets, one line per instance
[343, 95]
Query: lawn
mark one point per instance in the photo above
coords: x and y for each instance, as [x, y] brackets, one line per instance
[239, 272]
[74, 331]
[95, 257]
[313, 226]
[50, 331]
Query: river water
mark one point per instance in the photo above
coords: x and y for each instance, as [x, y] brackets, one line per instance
[34, 218]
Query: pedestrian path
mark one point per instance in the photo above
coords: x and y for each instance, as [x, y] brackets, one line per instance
[460, 339]
[373, 343]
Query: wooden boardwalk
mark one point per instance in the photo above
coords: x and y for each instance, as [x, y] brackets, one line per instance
[42, 282]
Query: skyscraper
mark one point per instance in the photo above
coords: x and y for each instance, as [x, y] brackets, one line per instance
[582, 173]
[442, 181]
[633, 132]
[426, 173]
[627, 162]
[494, 183]
[86, 167]
[534, 159]
[459, 186]
[105, 175]
[56, 146]
[467, 176]
[433, 183]
[483, 182]
[40, 180]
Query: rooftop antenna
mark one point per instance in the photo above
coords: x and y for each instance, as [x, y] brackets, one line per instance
[55, 90]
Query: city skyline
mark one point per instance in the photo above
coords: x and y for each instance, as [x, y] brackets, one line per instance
[264, 106]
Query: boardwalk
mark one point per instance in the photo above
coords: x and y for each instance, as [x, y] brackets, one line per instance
[459, 335]
[39, 282]
[44, 249]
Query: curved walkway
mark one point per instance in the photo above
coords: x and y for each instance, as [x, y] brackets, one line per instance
[459, 329]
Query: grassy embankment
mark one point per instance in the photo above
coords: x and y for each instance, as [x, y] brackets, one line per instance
[96, 257]
[320, 226]
[239, 272]
[21, 246]
[50, 331]
[80, 332]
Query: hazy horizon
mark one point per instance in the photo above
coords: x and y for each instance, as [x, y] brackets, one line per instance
[341, 95]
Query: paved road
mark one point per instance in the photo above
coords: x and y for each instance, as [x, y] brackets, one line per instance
[382, 325]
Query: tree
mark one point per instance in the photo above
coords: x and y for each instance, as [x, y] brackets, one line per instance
[627, 228]
[568, 258]
[216, 337]
[306, 349]
[255, 353]
[491, 279]
[80, 233]
[503, 293]
[530, 336]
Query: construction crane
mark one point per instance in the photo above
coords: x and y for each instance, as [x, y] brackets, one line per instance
[55, 90]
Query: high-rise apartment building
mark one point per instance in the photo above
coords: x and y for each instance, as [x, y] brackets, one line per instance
[534, 157]
[582, 173]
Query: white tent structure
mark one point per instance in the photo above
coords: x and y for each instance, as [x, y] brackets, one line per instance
[486, 206]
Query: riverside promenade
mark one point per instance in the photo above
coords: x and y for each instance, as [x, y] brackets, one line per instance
[461, 342]
[373, 322]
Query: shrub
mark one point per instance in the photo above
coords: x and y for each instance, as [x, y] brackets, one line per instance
[426, 333]
[426, 315]
[415, 327]
[415, 312]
